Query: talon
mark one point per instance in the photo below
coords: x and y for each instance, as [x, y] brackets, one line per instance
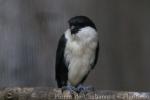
[69, 88]
[84, 89]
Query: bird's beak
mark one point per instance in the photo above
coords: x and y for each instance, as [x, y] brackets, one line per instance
[74, 29]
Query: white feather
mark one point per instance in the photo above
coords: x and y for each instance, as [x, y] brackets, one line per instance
[80, 53]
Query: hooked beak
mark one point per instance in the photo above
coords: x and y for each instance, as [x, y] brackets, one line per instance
[74, 29]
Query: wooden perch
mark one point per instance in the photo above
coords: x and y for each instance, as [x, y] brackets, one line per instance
[46, 93]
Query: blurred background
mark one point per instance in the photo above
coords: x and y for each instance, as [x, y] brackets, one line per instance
[30, 30]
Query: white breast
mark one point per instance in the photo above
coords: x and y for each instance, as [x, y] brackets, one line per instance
[80, 53]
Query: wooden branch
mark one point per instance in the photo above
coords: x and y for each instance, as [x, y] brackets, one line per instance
[46, 93]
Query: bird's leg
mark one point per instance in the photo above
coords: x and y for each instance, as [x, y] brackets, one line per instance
[84, 89]
[69, 88]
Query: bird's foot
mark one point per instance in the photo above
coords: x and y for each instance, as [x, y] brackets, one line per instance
[84, 89]
[70, 89]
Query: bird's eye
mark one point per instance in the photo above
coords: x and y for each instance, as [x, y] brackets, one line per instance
[72, 27]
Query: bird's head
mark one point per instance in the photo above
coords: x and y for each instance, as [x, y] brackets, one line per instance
[78, 22]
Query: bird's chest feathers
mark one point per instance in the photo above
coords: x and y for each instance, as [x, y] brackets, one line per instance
[79, 54]
[75, 49]
[80, 48]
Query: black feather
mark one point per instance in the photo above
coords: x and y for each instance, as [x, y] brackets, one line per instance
[61, 68]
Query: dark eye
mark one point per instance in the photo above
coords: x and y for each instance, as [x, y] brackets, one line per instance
[72, 27]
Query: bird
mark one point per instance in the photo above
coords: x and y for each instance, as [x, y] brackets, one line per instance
[76, 54]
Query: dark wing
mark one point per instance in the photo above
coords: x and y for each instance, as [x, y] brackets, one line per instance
[61, 70]
[96, 56]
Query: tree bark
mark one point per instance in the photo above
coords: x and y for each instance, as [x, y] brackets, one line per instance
[47, 93]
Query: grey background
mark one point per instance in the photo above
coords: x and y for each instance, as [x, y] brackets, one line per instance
[30, 29]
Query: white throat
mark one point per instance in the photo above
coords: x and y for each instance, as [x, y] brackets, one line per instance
[84, 34]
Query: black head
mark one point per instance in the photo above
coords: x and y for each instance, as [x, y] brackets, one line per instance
[78, 22]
